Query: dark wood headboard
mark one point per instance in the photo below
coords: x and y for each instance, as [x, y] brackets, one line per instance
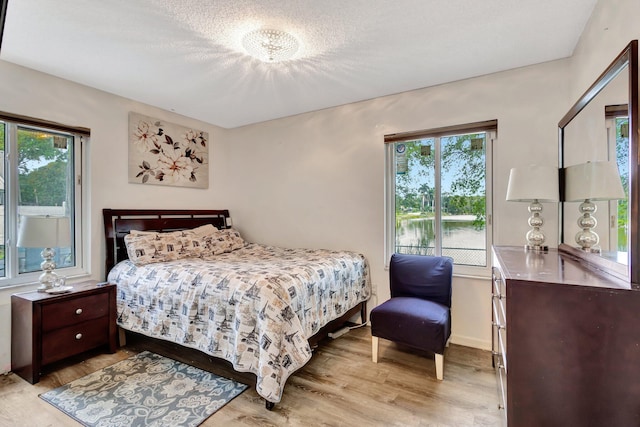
[119, 222]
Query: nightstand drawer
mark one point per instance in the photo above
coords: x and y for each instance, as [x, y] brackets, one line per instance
[65, 342]
[74, 311]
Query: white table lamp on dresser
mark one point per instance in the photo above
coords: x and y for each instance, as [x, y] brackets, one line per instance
[534, 184]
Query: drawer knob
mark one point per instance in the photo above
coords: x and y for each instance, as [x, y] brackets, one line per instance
[500, 406]
[78, 336]
[79, 311]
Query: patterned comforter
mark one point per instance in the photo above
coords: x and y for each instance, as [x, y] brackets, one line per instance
[255, 307]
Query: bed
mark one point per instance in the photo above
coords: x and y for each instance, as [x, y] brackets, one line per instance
[261, 308]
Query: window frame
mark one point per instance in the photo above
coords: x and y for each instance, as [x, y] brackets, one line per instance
[491, 129]
[80, 137]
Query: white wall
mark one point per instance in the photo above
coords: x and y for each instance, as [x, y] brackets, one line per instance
[317, 179]
[613, 24]
[30, 93]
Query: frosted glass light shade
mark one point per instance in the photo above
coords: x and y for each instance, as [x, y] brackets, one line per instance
[269, 45]
[533, 183]
[44, 232]
[593, 181]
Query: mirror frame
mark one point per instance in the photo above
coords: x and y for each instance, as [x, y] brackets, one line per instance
[631, 271]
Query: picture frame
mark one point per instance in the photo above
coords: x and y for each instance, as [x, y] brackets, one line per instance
[169, 154]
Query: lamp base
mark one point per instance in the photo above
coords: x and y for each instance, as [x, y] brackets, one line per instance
[536, 248]
[535, 236]
[586, 238]
[49, 279]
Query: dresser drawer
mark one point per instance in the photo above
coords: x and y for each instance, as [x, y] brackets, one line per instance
[501, 348]
[64, 342]
[499, 338]
[501, 374]
[74, 311]
[499, 295]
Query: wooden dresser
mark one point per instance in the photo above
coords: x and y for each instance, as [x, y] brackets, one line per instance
[47, 328]
[566, 341]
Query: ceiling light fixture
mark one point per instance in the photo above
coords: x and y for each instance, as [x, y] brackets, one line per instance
[270, 45]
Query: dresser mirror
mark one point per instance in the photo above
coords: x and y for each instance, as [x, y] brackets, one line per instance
[602, 126]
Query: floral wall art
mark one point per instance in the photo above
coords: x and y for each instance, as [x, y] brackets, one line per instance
[163, 153]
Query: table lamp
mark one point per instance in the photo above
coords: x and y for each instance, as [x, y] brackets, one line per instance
[534, 184]
[47, 232]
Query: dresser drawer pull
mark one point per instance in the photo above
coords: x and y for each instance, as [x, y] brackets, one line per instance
[78, 336]
[499, 326]
[500, 406]
[79, 311]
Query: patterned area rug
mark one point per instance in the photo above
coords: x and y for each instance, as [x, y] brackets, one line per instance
[144, 390]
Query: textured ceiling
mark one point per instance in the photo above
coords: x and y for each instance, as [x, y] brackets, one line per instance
[186, 55]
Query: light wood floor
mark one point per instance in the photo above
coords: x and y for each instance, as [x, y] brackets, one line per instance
[340, 386]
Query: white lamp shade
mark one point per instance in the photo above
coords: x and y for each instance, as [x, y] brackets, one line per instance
[533, 183]
[593, 181]
[44, 232]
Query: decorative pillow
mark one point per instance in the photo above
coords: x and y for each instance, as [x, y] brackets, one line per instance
[146, 247]
[153, 247]
[226, 240]
[202, 230]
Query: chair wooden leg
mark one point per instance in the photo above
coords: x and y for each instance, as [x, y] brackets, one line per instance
[374, 348]
[439, 366]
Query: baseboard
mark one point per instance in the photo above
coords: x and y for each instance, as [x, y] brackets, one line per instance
[471, 342]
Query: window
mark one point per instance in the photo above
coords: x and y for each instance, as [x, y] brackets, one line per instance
[38, 173]
[439, 192]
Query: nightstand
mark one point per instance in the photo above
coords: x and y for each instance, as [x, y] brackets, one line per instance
[47, 328]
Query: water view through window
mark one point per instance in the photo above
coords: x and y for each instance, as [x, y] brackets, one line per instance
[440, 197]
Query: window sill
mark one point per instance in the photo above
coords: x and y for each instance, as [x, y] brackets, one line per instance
[472, 276]
[484, 274]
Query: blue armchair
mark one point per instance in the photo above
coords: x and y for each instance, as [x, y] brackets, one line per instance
[419, 311]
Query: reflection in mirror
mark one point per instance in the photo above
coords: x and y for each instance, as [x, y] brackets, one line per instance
[588, 183]
[618, 141]
[597, 129]
[589, 138]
